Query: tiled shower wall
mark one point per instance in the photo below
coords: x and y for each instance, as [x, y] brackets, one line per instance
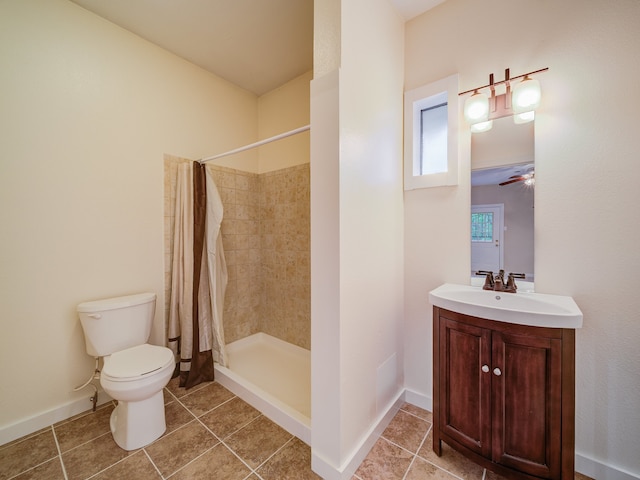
[284, 246]
[265, 232]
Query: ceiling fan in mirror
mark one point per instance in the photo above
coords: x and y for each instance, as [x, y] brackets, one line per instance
[528, 178]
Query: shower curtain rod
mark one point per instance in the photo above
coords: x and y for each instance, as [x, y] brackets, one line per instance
[258, 144]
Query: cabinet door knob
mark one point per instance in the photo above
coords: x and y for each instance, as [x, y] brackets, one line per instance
[497, 372]
[485, 368]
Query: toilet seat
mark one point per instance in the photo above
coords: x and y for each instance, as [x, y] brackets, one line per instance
[136, 363]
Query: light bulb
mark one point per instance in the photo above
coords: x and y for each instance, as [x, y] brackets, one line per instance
[524, 117]
[476, 108]
[526, 96]
[481, 127]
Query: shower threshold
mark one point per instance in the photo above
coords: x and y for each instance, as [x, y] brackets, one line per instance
[274, 377]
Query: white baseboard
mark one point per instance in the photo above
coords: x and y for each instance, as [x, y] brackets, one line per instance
[19, 429]
[602, 471]
[345, 472]
[419, 400]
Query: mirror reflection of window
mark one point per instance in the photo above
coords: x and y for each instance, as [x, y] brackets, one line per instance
[482, 227]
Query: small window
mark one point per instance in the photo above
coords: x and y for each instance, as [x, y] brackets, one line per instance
[431, 143]
[433, 139]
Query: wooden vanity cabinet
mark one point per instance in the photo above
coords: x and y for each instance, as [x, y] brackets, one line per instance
[504, 395]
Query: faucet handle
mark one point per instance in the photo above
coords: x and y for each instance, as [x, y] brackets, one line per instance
[511, 282]
[488, 282]
[484, 272]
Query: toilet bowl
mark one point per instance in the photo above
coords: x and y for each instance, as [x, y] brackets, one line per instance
[134, 372]
[135, 377]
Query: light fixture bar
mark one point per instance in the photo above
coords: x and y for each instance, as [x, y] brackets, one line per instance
[507, 80]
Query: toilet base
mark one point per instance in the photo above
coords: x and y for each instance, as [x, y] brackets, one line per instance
[137, 424]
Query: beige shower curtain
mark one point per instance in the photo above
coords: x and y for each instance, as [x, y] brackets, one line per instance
[199, 277]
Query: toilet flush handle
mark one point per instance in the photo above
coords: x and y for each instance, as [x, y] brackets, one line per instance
[95, 315]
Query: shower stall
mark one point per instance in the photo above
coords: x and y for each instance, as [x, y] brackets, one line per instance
[267, 327]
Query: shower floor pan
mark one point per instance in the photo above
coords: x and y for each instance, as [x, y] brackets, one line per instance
[274, 377]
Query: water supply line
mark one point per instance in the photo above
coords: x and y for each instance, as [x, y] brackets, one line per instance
[94, 376]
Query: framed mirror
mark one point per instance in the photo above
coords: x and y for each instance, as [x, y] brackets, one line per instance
[502, 201]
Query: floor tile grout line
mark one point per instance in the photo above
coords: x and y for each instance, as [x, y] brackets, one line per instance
[55, 439]
[83, 414]
[197, 419]
[189, 462]
[93, 475]
[175, 397]
[398, 445]
[152, 462]
[28, 436]
[275, 453]
[415, 455]
[106, 468]
[235, 454]
[36, 466]
[208, 411]
[84, 443]
[413, 459]
[428, 461]
[426, 435]
[58, 455]
[414, 415]
[221, 440]
[218, 406]
[484, 472]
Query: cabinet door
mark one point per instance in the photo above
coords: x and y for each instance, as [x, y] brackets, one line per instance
[526, 373]
[465, 392]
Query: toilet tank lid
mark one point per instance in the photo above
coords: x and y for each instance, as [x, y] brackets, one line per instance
[116, 302]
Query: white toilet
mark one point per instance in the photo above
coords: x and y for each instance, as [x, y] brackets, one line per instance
[134, 372]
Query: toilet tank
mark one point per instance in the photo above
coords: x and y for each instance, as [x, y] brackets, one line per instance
[113, 324]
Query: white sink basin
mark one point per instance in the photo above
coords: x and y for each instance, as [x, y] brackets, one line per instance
[535, 309]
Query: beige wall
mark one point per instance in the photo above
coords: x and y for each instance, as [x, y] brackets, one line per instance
[282, 110]
[586, 227]
[88, 110]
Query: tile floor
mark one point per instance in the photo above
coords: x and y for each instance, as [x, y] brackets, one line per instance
[212, 434]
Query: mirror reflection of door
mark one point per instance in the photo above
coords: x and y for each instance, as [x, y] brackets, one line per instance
[487, 237]
[499, 156]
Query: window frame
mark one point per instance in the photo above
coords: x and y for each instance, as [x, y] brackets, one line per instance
[414, 102]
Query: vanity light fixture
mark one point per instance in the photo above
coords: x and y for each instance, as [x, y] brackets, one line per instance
[526, 95]
[481, 126]
[524, 117]
[476, 108]
[480, 110]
